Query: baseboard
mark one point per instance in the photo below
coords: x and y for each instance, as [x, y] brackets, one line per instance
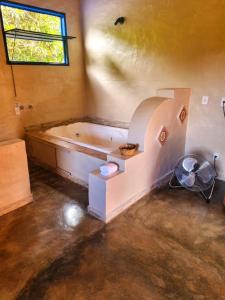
[161, 181]
[96, 213]
[16, 205]
[70, 177]
[114, 213]
[125, 205]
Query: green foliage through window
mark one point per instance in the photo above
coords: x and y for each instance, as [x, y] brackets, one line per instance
[29, 51]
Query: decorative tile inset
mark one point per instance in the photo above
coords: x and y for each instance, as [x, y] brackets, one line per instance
[182, 115]
[163, 136]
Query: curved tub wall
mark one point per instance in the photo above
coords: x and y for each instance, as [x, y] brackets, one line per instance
[151, 166]
[141, 118]
[161, 160]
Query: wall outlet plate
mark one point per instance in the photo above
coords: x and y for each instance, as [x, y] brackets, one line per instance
[222, 101]
[205, 100]
[217, 155]
[17, 109]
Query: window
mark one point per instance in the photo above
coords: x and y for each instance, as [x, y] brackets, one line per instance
[34, 35]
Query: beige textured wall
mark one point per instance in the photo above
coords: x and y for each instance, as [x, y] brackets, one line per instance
[164, 43]
[56, 92]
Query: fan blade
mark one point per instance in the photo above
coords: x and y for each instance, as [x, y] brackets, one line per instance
[205, 172]
[189, 163]
[188, 180]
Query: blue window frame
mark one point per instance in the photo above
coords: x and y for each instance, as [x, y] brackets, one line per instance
[34, 35]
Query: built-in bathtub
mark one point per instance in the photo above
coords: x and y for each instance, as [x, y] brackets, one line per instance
[75, 150]
[94, 136]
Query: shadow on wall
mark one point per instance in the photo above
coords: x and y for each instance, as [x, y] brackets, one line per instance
[109, 64]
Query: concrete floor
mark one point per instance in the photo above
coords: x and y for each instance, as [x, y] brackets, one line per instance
[170, 245]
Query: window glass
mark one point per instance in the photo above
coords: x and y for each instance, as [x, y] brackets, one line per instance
[28, 50]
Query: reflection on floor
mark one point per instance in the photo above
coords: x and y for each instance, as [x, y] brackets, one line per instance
[170, 245]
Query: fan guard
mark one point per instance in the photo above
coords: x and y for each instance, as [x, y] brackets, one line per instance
[196, 174]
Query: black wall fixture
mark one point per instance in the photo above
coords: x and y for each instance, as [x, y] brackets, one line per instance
[120, 20]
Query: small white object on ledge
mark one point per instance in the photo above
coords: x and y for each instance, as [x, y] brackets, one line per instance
[109, 169]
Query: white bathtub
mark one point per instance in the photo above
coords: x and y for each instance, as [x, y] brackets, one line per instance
[94, 136]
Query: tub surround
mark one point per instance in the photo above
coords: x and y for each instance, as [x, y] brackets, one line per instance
[92, 136]
[62, 157]
[74, 150]
[14, 177]
[154, 162]
[48, 125]
[100, 121]
[107, 122]
[53, 140]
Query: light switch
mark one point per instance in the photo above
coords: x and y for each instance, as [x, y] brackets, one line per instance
[205, 100]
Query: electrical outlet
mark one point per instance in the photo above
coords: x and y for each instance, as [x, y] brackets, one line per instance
[17, 109]
[205, 100]
[216, 155]
[222, 101]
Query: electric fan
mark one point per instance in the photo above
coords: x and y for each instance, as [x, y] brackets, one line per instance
[196, 174]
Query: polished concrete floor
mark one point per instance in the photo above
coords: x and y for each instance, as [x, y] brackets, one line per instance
[170, 245]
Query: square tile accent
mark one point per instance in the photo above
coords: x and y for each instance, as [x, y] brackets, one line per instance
[182, 115]
[163, 136]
